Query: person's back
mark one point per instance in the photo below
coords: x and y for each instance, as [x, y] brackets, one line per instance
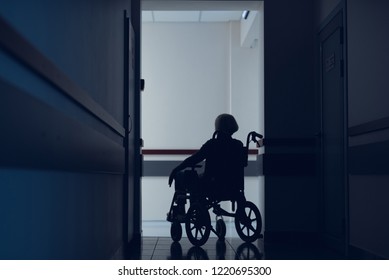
[224, 167]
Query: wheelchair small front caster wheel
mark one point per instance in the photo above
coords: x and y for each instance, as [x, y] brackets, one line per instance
[176, 231]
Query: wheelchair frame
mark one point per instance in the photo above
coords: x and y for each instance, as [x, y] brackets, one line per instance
[247, 217]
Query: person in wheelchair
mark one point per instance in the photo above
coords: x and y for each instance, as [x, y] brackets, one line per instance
[225, 159]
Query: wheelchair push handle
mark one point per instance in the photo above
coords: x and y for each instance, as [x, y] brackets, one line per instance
[252, 136]
[255, 137]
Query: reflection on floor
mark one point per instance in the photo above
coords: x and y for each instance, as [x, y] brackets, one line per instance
[163, 248]
[232, 248]
[157, 244]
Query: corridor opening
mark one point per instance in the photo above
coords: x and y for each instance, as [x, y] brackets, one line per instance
[198, 61]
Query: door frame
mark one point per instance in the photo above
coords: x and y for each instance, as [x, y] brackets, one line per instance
[341, 10]
[132, 200]
[136, 22]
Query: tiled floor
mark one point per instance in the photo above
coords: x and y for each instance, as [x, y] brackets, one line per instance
[157, 244]
[163, 248]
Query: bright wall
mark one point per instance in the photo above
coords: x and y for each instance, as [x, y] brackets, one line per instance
[186, 69]
[202, 68]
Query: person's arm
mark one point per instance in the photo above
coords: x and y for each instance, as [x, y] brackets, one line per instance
[197, 157]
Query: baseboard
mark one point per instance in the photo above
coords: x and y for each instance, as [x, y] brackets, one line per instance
[333, 243]
[119, 254]
[356, 253]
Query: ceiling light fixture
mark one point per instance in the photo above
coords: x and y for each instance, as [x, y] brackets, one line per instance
[245, 14]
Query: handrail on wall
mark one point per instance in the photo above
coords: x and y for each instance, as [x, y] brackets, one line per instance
[15, 44]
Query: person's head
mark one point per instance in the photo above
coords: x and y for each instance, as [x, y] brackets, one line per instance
[226, 123]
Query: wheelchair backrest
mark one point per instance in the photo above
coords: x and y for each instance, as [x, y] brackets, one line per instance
[225, 165]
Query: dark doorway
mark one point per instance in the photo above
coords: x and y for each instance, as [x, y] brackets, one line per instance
[333, 128]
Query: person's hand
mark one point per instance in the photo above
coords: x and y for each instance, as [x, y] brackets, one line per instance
[260, 142]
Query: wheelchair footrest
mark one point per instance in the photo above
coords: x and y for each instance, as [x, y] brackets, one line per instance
[218, 211]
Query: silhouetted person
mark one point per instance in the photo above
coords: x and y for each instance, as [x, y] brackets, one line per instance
[225, 159]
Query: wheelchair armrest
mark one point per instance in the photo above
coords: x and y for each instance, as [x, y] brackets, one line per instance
[193, 167]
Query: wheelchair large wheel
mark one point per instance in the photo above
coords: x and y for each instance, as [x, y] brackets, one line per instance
[248, 222]
[248, 251]
[197, 253]
[176, 231]
[198, 224]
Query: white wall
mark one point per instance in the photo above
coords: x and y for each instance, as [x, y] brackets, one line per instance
[247, 90]
[206, 74]
[194, 72]
[186, 69]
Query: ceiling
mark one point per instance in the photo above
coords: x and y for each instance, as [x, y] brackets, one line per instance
[191, 16]
[195, 10]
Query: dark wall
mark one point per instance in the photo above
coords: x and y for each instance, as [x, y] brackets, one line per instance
[62, 163]
[367, 84]
[292, 202]
[289, 164]
[81, 38]
[368, 61]
[323, 8]
[368, 87]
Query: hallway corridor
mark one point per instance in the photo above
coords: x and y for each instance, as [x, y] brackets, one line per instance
[76, 161]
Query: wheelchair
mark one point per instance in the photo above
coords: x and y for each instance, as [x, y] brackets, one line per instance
[197, 220]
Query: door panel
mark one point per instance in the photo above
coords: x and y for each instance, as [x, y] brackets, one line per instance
[332, 133]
